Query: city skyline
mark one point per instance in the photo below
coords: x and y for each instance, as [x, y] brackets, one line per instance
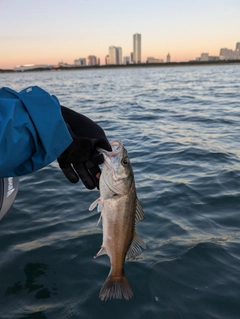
[115, 58]
[50, 32]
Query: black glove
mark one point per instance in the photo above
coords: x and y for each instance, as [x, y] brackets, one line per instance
[81, 159]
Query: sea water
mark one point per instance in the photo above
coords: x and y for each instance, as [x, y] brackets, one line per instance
[181, 127]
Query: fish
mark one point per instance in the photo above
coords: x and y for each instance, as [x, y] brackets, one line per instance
[120, 212]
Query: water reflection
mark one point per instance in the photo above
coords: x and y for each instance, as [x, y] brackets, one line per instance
[32, 283]
[35, 315]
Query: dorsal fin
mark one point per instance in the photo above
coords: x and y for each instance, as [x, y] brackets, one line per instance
[139, 212]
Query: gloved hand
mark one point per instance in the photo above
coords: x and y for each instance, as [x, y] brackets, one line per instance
[81, 159]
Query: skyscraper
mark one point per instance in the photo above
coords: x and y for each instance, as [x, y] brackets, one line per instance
[131, 57]
[92, 60]
[119, 55]
[137, 48]
[115, 55]
[112, 55]
[107, 59]
[168, 58]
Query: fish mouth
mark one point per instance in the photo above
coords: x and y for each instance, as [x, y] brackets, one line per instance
[117, 147]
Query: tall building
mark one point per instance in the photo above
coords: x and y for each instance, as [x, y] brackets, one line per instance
[119, 55]
[115, 55]
[107, 59]
[137, 48]
[168, 58]
[92, 60]
[112, 55]
[238, 46]
[131, 57]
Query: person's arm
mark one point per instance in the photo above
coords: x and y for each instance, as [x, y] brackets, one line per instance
[33, 132]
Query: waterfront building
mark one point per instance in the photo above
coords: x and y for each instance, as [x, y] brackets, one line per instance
[131, 57]
[92, 60]
[107, 60]
[236, 55]
[213, 58]
[80, 62]
[115, 55]
[126, 60]
[153, 60]
[137, 48]
[237, 51]
[119, 55]
[230, 55]
[225, 54]
[168, 59]
[204, 57]
[112, 55]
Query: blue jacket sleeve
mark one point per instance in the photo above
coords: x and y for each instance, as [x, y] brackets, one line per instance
[32, 131]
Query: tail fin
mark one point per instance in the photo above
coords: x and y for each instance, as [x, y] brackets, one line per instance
[116, 288]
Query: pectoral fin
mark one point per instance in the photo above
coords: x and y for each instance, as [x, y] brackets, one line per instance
[97, 203]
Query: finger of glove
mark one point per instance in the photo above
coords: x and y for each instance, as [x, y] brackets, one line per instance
[93, 168]
[96, 159]
[86, 177]
[103, 143]
[95, 173]
[70, 174]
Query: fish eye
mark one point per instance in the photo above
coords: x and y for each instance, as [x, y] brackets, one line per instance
[125, 161]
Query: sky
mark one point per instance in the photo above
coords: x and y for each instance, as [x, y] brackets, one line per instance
[53, 31]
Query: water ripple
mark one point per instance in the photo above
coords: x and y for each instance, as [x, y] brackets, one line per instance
[181, 128]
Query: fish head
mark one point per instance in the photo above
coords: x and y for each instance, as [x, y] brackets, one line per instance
[117, 171]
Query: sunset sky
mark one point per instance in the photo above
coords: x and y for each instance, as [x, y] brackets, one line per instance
[51, 31]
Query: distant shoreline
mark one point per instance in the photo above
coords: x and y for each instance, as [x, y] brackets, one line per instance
[141, 65]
